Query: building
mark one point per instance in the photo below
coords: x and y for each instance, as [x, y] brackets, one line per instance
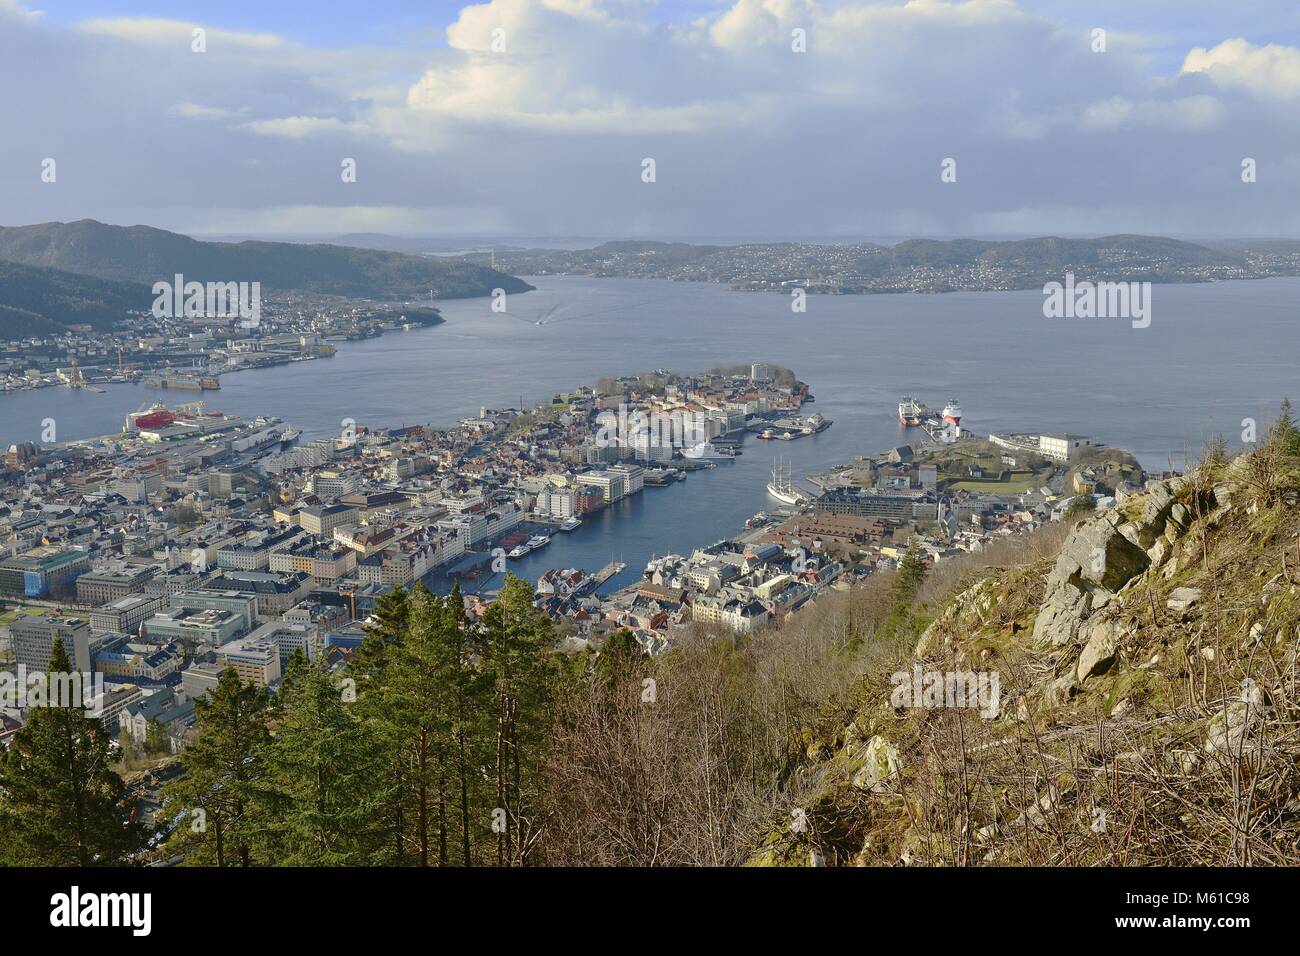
[275, 593]
[194, 627]
[33, 641]
[125, 614]
[319, 520]
[255, 556]
[256, 661]
[1063, 446]
[95, 588]
[42, 572]
[198, 679]
[633, 477]
[334, 484]
[169, 711]
[289, 636]
[243, 604]
[611, 484]
[855, 501]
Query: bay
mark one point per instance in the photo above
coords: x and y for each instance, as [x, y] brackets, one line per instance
[1214, 354]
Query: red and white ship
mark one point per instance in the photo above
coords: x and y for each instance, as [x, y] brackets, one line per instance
[952, 413]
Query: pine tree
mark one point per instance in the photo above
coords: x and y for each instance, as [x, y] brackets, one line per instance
[387, 627]
[61, 804]
[418, 702]
[316, 804]
[1285, 433]
[222, 768]
[517, 643]
[910, 577]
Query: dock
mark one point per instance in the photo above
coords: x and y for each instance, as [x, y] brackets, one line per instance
[607, 572]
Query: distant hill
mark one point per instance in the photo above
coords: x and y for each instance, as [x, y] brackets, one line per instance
[147, 255]
[36, 301]
[916, 265]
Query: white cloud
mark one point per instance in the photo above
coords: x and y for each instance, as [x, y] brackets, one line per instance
[298, 127]
[749, 136]
[162, 32]
[1272, 70]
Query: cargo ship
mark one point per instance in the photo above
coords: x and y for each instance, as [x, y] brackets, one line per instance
[911, 412]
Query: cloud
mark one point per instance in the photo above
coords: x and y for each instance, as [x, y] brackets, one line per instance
[535, 115]
[172, 32]
[1271, 70]
[298, 127]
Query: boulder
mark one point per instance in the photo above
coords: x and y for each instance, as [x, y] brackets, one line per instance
[1180, 599]
[1235, 729]
[1094, 563]
[1100, 651]
[880, 766]
[1062, 689]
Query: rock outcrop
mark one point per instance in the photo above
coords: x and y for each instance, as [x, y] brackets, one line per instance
[1160, 646]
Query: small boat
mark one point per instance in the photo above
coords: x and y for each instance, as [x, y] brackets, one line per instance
[767, 434]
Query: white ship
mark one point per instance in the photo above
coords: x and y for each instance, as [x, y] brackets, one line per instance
[571, 525]
[781, 487]
[911, 412]
[537, 541]
[520, 551]
[707, 451]
[952, 412]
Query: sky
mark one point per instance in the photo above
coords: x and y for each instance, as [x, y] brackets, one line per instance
[537, 117]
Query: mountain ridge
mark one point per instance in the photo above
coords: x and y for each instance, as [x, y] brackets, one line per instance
[147, 254]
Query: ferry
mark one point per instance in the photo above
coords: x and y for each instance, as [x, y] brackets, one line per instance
[767, 434]
[519, 551]
[537, 541]
[571, 525]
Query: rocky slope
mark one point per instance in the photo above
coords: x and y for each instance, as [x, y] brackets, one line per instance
[1147, 710]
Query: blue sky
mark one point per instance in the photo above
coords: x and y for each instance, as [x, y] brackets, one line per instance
[547, 135]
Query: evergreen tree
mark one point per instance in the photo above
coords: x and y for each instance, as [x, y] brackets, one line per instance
[316, 804]
[1285, 434]
[910, 577]
[222, 768]
[61, 804]
[419, 701]
[387, 626]
[517, 642]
